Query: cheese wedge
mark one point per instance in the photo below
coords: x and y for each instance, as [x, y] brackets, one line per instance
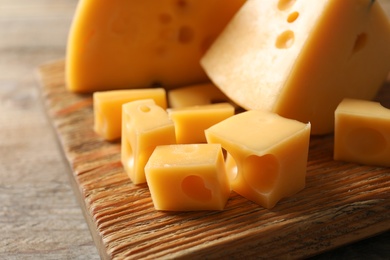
[299, 59]
[362, 133]
[188, 177]
[267, 154]
[145, 125]
[107, 108]
[135, 44]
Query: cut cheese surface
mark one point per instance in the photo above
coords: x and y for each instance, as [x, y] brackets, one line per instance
[196, 95]
[190, 122]
[188, 177]
[145, 125]
[299, 59]
[136, 44]
[362, 133]
[267, 154]
[107, 108]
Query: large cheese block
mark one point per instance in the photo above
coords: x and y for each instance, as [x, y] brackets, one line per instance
[362, 133]
[266, 154]
[132, 43]
[301, 58]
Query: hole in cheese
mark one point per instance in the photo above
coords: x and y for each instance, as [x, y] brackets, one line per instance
[165, 18]
[181, 3]
[285, 4]
[360, 42]
[186, 34]
[292, 17]
[366, 141]
[144, 108]
[261, 172]
[194, 187]
[285, 40]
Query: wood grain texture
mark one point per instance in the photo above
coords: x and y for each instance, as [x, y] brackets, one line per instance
[341, 203]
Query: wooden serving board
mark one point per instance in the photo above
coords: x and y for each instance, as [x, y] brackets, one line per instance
[342, 202]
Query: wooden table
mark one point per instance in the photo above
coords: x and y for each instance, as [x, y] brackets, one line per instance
[39, 215]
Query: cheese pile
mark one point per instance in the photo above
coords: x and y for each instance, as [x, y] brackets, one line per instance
[288, 63]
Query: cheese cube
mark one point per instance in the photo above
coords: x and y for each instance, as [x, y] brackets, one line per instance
[188, 177]
[134, 44]
[145, 125]
[299, 59]
[362, 133]
[107, 108]
[195, 95]
[267, 154]
[190, 122]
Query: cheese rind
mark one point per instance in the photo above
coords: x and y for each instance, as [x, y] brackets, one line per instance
[145, 125]
[107, 108]
[196, 95]
[299, 59]
[362, 133]
[188, 177]
[190, 122]
[267, 154]
[136, 44]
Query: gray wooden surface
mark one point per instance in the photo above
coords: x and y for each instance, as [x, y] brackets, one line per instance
[39, 215]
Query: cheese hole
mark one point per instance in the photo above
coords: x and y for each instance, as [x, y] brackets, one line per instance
[366, 141]
[285, 4]
[194, 187]
[360, 42]
[144, 108]
[186, 34]
[181, 3]
[285, 40]
[261, 172]
[165, 18]
[156, 84]
[292, 17]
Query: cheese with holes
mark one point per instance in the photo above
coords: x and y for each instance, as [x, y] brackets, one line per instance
[299, 59]
[362, 133]
[145, 125]
[188, 177]
[195, 95]
[190, 122]
[267, 154]
[135, 44]
[107, 108]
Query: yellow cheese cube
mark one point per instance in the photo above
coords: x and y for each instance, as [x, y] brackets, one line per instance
[188, 177]
[134, 44]
[362, 133]
[145, 125]
[190, 122]
[299, 59]
[195, 95]
[267, 154]
[107, 108]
